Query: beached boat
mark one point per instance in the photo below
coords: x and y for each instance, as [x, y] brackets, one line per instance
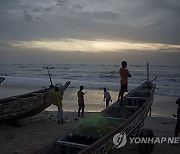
[23, 106]
[1, 79]
[26, 105]
[128, 118]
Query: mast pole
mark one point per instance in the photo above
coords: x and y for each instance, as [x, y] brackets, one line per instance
[50, 77]
[147, 71]
[49, 74]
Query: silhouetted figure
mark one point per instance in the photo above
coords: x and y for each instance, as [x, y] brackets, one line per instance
[177, 129]
[80, 95]
[107, 97]
[124, 74]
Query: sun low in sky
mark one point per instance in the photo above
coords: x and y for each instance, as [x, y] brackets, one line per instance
[93, 46]
[92, 31]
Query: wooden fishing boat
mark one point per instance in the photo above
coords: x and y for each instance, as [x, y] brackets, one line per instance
[128, 118]
[19, 107]
[1, 79]
[23, 106]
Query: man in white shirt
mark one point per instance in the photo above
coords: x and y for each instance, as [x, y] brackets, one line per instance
[107, 97]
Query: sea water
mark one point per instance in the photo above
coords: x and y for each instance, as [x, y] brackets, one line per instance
[94, 77]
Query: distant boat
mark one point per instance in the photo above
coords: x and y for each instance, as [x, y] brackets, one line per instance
[22, 106]
[1, 79]
[128, 118]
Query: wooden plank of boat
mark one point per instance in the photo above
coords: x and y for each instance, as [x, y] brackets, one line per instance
[23, 106]
[128, 121]
[1, 79]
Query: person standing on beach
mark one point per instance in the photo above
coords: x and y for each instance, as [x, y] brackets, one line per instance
[177, 129]
[124, 74]
[107, 97]
[57, 95]
[80, 95]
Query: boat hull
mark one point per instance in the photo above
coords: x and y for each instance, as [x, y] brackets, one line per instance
[23, 106]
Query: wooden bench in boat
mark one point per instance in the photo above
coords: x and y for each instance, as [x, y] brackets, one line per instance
[116, 112]
[139, 98]
[71, 144]
[135, 101]
[132, 107]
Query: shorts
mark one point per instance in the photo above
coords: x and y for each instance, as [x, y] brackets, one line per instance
[124, 88]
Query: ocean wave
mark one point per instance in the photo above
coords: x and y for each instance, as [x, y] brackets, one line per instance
[137, 65]
[109, 76]
[92, 76]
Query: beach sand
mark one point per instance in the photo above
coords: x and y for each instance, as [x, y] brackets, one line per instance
[42, 129]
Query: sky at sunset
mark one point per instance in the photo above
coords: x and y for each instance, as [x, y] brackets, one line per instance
[90, 31]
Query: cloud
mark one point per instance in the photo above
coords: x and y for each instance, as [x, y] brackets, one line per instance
[27, 17]
[155, 21]
[60, 2]
[93, 45]
[92, 31]
[132, 57]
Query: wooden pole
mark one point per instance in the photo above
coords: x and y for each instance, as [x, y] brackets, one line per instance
[50, 77]
[147, 71]
[49, 74]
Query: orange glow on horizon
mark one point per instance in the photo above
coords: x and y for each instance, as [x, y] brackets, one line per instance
[92, 46]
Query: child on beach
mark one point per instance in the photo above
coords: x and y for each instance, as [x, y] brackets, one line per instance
[107, 97]
[57, 95]
[177, 129]
[124, 74]
[80, 95]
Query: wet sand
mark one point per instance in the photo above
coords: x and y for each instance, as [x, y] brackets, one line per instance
[42, 129]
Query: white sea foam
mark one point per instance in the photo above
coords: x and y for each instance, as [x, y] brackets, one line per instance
[92, 76]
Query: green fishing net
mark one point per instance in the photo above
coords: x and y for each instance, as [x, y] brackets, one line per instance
[95, 125]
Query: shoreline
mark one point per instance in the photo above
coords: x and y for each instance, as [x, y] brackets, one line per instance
[24, 89]
[93, 99]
